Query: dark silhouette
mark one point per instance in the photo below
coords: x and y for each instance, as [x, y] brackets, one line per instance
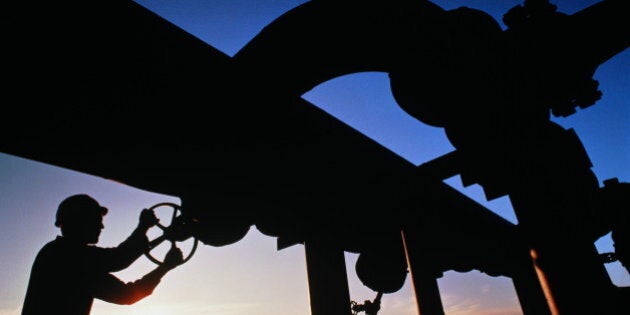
[492, 90]
[369, 307]
[69, 272]
[621, 238]
[613, 200]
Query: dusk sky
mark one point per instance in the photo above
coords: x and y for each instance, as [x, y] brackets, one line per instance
[251, 276]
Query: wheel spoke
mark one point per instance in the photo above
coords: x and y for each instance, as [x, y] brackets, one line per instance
[156, 242]
[174, 215]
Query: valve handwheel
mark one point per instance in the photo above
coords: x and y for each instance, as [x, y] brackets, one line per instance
[176, 231]
[353, 307]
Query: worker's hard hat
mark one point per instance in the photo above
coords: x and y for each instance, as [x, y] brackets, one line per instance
[77, 207]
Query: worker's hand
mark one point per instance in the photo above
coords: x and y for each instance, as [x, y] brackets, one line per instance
[173, 258]
[147, 219]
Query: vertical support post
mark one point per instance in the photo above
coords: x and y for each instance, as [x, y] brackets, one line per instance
[423, 276]
[327, 279]
[554, 193]
[528, 288]
[571, 273]
[567, 264]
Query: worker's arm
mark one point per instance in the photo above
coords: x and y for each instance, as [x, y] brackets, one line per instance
[120, 257]
[111, 289]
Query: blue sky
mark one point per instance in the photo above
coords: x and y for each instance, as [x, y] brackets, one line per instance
[250, 276]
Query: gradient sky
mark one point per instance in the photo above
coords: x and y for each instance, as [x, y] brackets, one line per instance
[251, 276]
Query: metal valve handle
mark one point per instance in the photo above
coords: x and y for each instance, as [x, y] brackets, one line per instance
[172, 233]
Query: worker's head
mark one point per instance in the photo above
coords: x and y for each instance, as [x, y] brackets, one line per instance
[80, 217]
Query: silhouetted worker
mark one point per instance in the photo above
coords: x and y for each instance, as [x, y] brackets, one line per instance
[69, 272]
